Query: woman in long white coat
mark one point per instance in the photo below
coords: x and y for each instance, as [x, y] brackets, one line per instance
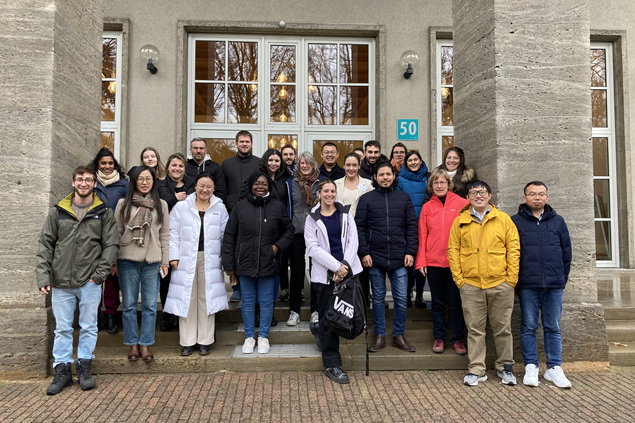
[197, 289]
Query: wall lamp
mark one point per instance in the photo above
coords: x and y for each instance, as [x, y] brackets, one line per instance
[409, 58]
[150, 54]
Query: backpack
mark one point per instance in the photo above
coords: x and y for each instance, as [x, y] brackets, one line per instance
[346, 312]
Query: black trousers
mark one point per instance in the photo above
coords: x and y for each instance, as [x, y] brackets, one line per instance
[365, 282]
[442, 288]
[296, 284]
[164, 287]
[284, 270]
[330, 342]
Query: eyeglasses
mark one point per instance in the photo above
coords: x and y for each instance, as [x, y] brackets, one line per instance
[474, 194]
[87, 180]
[148, 179]
[210, 187]
[440, 183]
[260, 184]
[534, 195]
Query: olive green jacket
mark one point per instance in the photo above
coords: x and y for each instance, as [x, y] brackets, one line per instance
[71, 252]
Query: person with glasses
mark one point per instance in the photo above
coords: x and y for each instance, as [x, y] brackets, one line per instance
[398, 156]
[330, 169]
[143, 227]
[545, 263]
[197, 288]
[461, 174]
[484, 254]
[435, 223]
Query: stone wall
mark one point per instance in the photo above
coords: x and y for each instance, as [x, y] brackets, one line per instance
[50, 62]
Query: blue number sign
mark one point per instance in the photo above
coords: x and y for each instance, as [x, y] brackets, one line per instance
[407, 129]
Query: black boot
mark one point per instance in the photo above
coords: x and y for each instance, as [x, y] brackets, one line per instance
[274, 322]
[111, 325]
[62, 379]
[168, 323]
[86, 380]
[419, 303]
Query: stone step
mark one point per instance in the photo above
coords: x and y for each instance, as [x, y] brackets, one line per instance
[620, 330]
[619, 313]
[622, 354]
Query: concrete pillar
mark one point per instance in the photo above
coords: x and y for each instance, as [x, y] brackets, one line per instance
[50, 62]
[522, 113]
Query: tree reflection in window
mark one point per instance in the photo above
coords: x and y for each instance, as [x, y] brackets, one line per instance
[108, 82]
[283, 95]
[599, 94]
[242, 99]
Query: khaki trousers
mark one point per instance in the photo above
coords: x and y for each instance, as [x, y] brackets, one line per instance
[478, 305]
[197, 327]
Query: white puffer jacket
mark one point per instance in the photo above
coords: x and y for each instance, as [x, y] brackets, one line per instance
[185, 228]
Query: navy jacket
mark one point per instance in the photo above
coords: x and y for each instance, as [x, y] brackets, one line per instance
[387, 227]
[415, 184]
[114, 192]
[545, 249]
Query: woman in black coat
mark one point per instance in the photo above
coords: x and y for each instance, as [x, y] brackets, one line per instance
[271, 164]
[258, 230]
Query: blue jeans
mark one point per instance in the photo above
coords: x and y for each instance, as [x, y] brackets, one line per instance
[399, 284]
[134, 277]
[532, 302]
[259, 289]
[63, 302]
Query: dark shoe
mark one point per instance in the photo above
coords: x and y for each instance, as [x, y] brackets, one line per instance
[400, 342]
[167, 324]
[336, 375]
[284, 296]
[111, 326]
[378, 343]
[204, 349]
[274, 322]
[133, 355]
[146, 354]
[185, 351]
[459, 348]
[315, 330]
[235, 298]
[62, 379]
[439, 346]
[86, 380]
[419, 303]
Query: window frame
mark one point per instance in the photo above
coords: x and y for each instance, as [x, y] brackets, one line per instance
[442, 131]
[115, 126]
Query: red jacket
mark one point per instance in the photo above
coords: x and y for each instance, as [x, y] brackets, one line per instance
[435, 223]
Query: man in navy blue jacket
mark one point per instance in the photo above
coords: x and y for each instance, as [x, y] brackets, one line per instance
[545, 262]
[388, 241]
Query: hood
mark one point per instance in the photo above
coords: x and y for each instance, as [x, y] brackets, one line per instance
[65, 203]
[189, 157]
[465, 217]
[525, 211]
[315, 211]
[191, 201]
[416, 177]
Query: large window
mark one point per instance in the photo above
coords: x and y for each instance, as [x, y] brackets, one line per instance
[284, 90]
[110, 92]
[445, 97]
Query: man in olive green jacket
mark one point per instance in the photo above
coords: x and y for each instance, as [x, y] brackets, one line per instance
[77, 248]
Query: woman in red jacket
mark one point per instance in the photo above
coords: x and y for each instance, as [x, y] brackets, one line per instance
[435, 222]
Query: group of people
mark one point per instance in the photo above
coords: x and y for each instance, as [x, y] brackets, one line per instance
[172, 230]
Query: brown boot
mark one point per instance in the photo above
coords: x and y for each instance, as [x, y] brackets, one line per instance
[133, 355]
[400, 342]
[146, 354]
[378, 343]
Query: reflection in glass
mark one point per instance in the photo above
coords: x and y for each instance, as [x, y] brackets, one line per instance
[109, 58]
[354, 105]
[603, 241]
[242, 103]
[278, 141]
[282, 60]
[322, 105]
[601, 198]
[220, 149]
[282, 103]
[598, 68]
[598, 108]
[108, 91]
[210, 61]
[447, 56]
[322, 63]
[447, 106]
[209, 103]
[343, 148]
[600, 157]
[354, 63]
[446, 142]
[242, 61]
[108, 141]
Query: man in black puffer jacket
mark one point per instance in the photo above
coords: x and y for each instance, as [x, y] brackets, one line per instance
[202, 162]
[372, 158]
[388, 241]
[545, 262]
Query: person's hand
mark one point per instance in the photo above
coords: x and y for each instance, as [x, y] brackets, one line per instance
[340, 274]
[113, 270]
[165, 270]
[180, 196]
[232, 277]
[367, 261]
[45, 289]
[91, 281]
[423, 270]
[276, 250]
[174, 264]
[408, 261]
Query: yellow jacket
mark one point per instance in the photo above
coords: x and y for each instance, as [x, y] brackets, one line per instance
[484, 255]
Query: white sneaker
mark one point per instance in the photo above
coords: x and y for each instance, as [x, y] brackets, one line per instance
[263, 345]
[248, 346]
[556, 375]
[294, 319]
[506, 375]
[314, 317]
[472, 380]
[531, 375]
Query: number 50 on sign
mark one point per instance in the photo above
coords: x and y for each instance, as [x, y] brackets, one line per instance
[407, 129]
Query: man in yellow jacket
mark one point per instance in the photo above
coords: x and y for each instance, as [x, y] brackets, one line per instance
[484, 255]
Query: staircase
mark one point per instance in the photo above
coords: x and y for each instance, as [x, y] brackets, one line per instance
[620, 330]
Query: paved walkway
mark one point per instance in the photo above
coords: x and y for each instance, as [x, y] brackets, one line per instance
[311, 397]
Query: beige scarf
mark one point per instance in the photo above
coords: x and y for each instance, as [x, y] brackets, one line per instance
[107, 179]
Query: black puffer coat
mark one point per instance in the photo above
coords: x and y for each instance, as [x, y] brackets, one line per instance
[167, 189]
[255, 225]
[367, 170]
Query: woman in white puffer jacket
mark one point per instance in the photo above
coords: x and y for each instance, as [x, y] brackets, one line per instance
[197, 289]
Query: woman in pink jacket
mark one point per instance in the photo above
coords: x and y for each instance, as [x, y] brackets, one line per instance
[435, 222]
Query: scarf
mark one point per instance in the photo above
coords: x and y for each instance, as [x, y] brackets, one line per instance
[142, 218]
[107, 180]
[396, 164]
[306, 182]
[451, 174]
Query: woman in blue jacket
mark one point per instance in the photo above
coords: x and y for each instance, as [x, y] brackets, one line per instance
[413, 180]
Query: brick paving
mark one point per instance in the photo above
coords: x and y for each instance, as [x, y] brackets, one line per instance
[412, 396]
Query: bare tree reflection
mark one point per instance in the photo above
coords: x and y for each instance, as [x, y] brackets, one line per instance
[220, 149]
[242, 104]
[598, 97]
[108, 72]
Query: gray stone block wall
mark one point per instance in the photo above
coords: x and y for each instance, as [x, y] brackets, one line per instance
[50, 62]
